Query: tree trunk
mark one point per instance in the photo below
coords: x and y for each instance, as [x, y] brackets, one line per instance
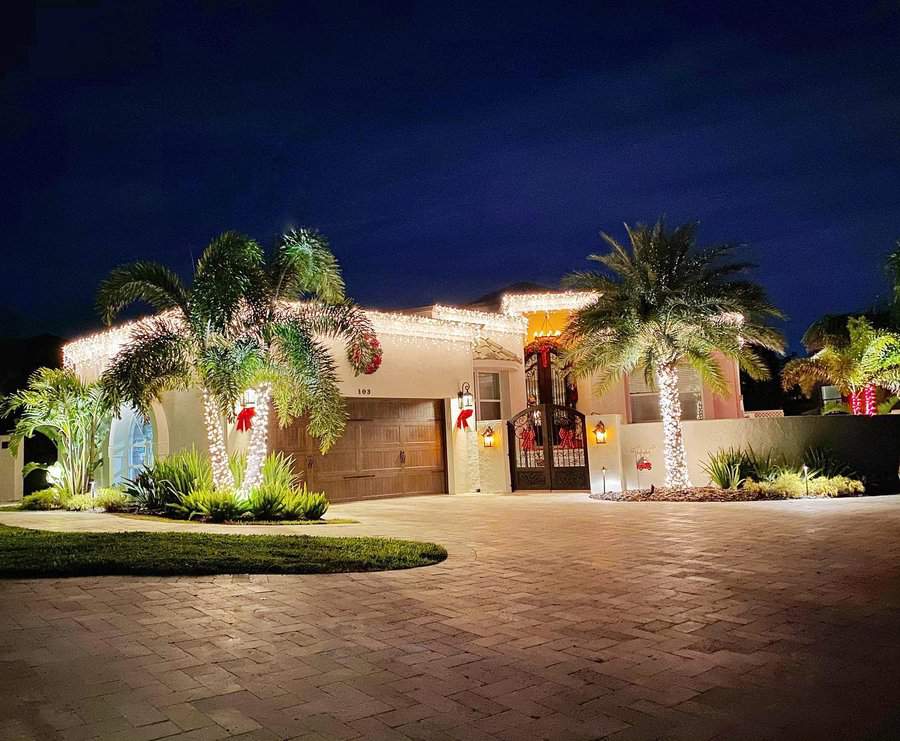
[258, 447]
[870, 407]
[673, 440]
[215, 436]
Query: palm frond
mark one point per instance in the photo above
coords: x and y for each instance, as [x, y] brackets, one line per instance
[149, 282]
[306, 267]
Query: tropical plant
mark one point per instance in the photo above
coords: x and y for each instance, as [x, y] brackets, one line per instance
[855, 362]
[725, 468]
[112, 500]
[149, 493]
[184, 470]
[794, 485]
[825, 462]
[80, 503]
[237, 463]
[302, 504]
[246, 322]
[73, 414]
[49, 498]
[761, 466]
[266, 501]
[216, 505]
[661, 300]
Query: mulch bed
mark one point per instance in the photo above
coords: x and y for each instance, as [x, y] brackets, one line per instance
[694, 494]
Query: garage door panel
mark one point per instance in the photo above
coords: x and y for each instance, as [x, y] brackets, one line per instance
[366, 463]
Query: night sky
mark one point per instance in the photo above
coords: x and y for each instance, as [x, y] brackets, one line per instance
[447, 153]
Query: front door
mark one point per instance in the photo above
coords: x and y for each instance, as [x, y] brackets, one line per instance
[548, 449]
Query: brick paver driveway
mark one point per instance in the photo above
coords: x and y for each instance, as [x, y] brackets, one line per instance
[554, 617]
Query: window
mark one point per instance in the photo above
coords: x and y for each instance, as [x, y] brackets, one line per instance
[140, 445]
[488, 386]
[644, 398]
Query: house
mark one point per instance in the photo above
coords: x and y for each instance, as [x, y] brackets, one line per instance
[473, 399]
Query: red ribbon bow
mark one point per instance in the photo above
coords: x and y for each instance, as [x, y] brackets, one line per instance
[462, 421]
[245, 419]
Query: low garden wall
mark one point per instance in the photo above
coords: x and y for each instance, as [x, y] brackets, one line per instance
[869, 445]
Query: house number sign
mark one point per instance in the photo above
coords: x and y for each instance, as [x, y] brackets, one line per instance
[364, 392]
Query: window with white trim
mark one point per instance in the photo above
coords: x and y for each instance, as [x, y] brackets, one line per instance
[487, 385]
[644, 398]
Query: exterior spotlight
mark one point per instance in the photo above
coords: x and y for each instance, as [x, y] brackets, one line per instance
[600, 433]
[465, 398]
[488, 437]
[806, 478]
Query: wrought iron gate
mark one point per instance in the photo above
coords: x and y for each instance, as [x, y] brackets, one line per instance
[548, 448]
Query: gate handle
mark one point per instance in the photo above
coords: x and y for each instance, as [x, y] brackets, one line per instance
[402, 457]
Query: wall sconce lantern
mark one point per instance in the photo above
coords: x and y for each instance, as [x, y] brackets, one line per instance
[600, 433]
[488, 437]
[465, 398]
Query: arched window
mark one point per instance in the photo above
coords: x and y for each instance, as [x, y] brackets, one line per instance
[140, 445]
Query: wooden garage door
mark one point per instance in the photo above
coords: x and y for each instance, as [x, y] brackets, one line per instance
[391, 447]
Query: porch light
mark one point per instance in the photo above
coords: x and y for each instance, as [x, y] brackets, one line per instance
[464, 396]
[488, 437]
[600, 433]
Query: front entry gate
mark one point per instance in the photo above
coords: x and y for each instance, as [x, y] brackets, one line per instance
[548, 448]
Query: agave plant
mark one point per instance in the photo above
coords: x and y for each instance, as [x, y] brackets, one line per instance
[725, 468]
[662, 300]
[248, 321]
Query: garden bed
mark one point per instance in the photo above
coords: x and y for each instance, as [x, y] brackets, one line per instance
[26, 553]
[241, 523]
[702, 494]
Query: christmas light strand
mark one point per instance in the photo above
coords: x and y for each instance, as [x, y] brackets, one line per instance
[673, 441]
[523, 303]
[215, 436]
[258, 446]
[503, 323]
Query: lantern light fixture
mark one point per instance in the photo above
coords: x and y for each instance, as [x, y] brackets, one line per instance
[487, 437]
[600, 433]
[465, 398]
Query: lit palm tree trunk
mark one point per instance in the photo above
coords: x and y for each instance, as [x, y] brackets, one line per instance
[870, 408]
[215, 436]
[259, 439]
[673, 440]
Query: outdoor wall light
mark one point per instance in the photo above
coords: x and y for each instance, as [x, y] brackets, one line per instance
[488, 437]
[464, 396]
[600, 433]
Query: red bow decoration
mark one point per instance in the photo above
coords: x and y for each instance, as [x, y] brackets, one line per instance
[567, 439]
[527, 437]
[462, 421]
[245, 419]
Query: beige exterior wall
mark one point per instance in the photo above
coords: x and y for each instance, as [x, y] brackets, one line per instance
[11, 481]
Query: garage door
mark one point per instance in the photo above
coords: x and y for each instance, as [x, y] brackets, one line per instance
[391, 447]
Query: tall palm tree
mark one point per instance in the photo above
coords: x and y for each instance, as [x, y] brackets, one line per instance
[856, 361]
[664, 301]
[247, 321]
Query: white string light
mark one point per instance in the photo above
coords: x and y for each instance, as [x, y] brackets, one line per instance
[677, 475]
[504, 323]
[215, 436]
[523, 303]
[258, 447]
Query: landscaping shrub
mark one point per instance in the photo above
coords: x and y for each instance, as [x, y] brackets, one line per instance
[113, 500]
[791, 485]
[150, 494]
[267, 501]
[761, 466]
[186, 471]
[302, 504]
[217, 505]
[79, 503]
[42, 500]
[278, 470]
[825, 462]
[237, 462]
[724, 468]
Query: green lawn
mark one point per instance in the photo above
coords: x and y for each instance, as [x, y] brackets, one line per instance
[26, 553]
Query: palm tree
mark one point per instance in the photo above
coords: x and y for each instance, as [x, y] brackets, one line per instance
[664, 301]
[247, 321]
[856, 361]
[73, 414]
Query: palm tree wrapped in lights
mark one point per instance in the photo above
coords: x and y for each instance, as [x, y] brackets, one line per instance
[851, 355]
[247, 321]
[664, 301]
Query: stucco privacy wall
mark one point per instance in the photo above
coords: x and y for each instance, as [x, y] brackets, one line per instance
[11, 482]
[870, 445]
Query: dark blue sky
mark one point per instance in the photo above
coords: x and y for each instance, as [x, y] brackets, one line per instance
[447, 152]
